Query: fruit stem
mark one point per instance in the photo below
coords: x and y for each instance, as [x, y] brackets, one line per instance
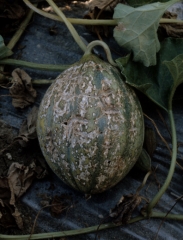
[105, 47]
[69, 25]
[172, 165]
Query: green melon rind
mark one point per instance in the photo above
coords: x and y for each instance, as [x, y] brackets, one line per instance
[90, 126]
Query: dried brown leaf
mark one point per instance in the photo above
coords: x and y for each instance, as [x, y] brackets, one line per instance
[6, 211]
[5, 193]
[18, 218]
[20, 177]
[123, 210]
[18, 180]
[103, 30]
[100, 10]
[102, 3]
[172, 29]
[59, 204]
[28, 128]
[21, 91]
[7, 204]
[11, 10]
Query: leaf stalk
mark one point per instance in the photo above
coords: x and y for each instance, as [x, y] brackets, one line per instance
[172, 165]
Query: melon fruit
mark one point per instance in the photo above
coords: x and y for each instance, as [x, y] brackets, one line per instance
[90, 126]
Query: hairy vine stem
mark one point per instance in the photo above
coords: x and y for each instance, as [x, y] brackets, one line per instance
[18, 34]
[172, 165]
[110, 22]
[89, 229]
[45, 67]
[69, 25]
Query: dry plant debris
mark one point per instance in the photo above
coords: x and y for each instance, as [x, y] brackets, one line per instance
[100, 10]
[123, 210]
[27, 130]
[11, 14]
[60, 204]
[21, 91]
[12, 10]
[17, 172]
[14, 185]
[109, 5]
[172, 29]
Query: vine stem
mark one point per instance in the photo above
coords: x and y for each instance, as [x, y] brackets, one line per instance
[89, 229]
[18, 34]
[46, 67]
[68, 24]
[20, 30]
[144, 182]
[109, 22]
[66, 233]
[172, 166]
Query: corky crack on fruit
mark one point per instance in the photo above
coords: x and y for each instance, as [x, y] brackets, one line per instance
[90, 126]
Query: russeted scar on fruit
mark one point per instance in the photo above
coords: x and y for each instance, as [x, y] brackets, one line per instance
[90, 125]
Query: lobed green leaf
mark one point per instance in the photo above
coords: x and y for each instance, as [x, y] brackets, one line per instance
[137, 29]
[4, 51]
[137, 3]
[157, 82]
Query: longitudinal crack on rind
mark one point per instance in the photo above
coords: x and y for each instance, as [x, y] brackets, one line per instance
[90, 126]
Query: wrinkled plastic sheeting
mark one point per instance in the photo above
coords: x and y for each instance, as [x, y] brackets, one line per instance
[178, 9]
[41, 47]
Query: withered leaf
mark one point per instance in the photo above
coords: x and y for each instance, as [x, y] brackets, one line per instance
[28, 128]
[123, 210]
[59, 204]
[172, 29]
[6, 211]
[94, 14]
[9, 215]
[11, 10]
[103, 3]
[20, 177]
[21, 91]
[100, 10]
[18, 180]
[18, 218]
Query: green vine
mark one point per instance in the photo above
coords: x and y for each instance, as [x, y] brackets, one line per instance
[45, 67]
[172, 167]
[77, 21]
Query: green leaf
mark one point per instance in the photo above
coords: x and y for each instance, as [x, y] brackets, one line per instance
[175, 67]
[158, 82]
[144, 161]
[137, 3]
[137, 30]
[4, 51]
